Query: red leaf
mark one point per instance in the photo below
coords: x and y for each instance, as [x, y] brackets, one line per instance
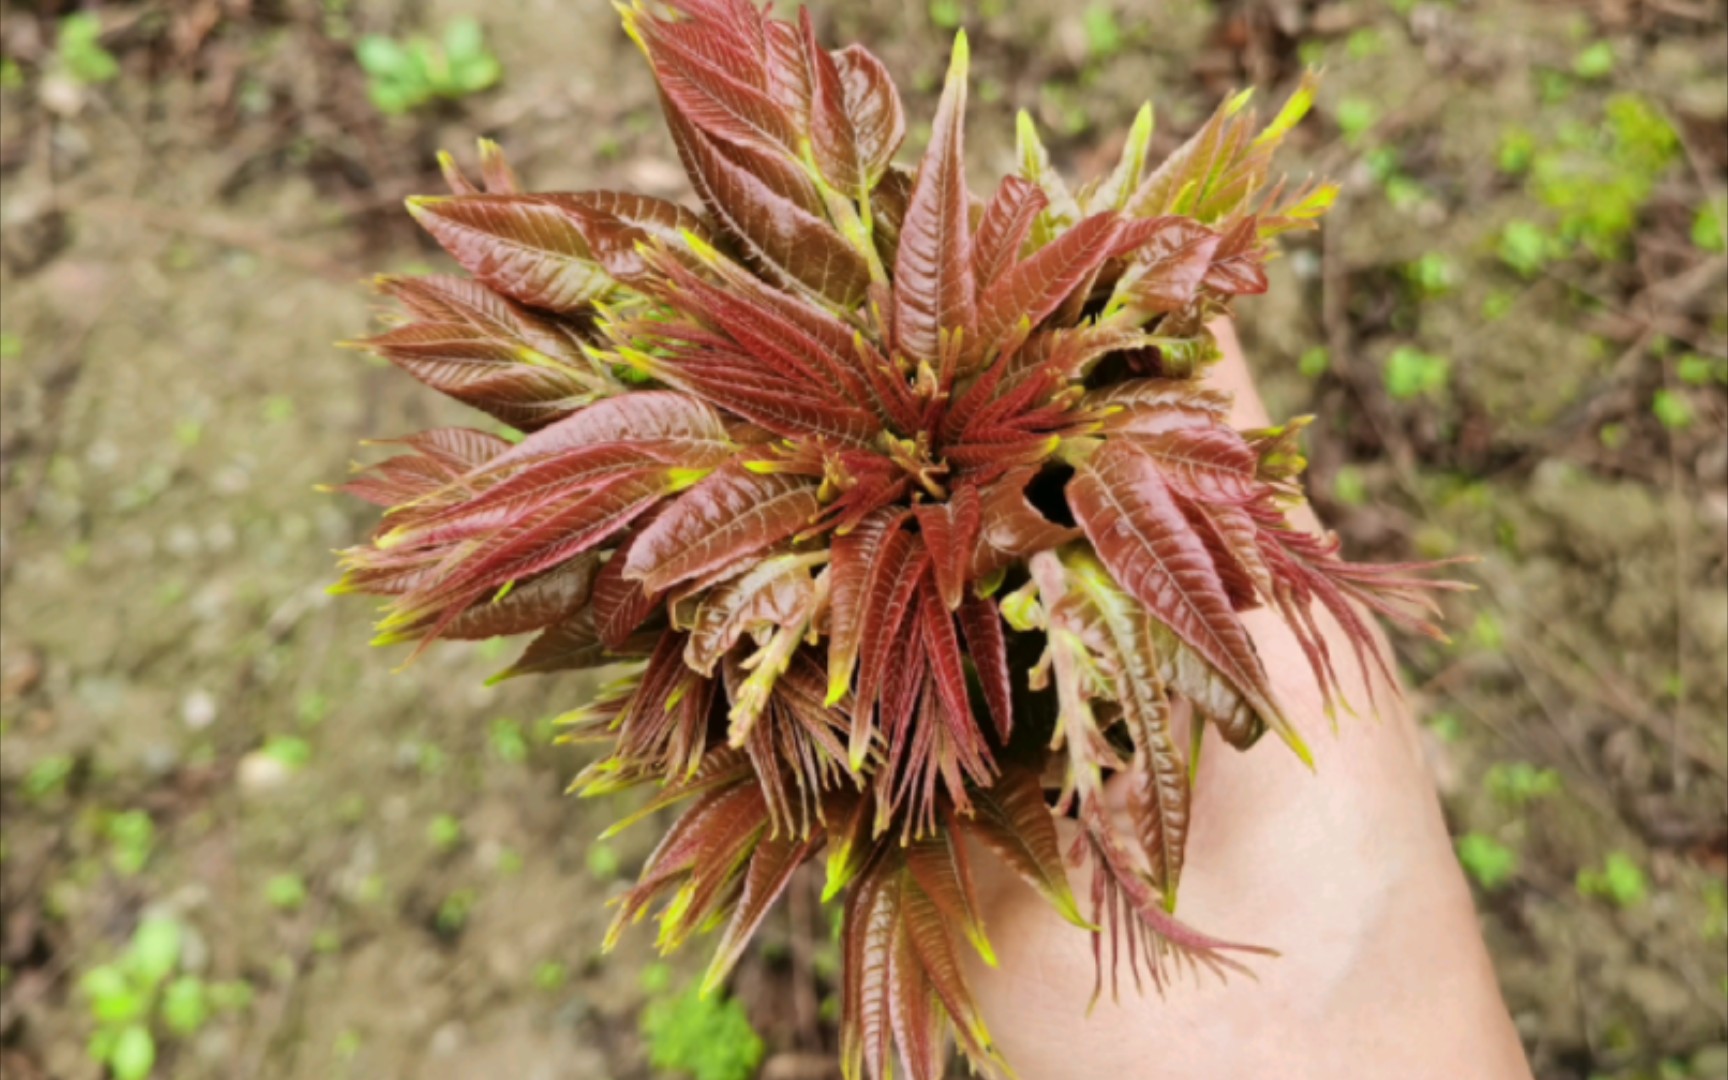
[867, 943]
[1239, 263]
[773, 592]
[1210, 465]
[933, 286]
[950, 532]
[1012, 820]
[783, 235]
[981, 622]
[1002, 230]
[572, 645]
[948, 675]
[887, 605]
[873, 106]
[528, 247]
[771, 869]
[718, 81]
[1154, 406]
[550, 598]
[729, 515]
[857, 560]
[833, 143]
[1120, 499]
[1171, 256]
[1011, 528]
[912, 1003]
[660, 415]
[620, 605]
[1034, 288]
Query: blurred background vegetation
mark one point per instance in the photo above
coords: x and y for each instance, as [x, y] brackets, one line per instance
[236, 845]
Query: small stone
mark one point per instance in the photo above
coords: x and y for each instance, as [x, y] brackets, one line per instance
[198, 711]
[446, 1040]
[260, 773]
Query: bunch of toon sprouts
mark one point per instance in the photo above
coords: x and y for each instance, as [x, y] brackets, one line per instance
[902, 515]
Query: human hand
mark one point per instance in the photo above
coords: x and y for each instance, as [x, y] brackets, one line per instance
[1347, 872]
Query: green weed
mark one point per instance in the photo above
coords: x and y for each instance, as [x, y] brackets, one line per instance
[453, 913]
[1696, 370]
[79, 49]
[137, 997]
[48, 776]
[444, 832]
[1432, 275]
[289, 750]
[1355, 117]
[1489, 862]
[131, 836]
[1597, 177]
[286, 892]
[1412, 373]
[508, 741]
[405, 75]
[1620, 881]
[1672, 410]
[1594, 62]
[705, 1038]
[1104, 35]
[1519, 783]
[1710, 227]
[1315, 362]
[1348, 486]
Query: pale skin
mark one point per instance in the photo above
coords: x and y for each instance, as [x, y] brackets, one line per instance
[1347, 871]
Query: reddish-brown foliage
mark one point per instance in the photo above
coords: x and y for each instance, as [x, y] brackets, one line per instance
[828, 466]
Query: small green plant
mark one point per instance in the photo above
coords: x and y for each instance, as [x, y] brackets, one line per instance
[1412, 373]
[405, 75]
[1349, 487]
[1104, 35]
[131, 836]
[508, 741]
[79, 50]
[289, 750]
[286, 892]
[702, 1037]
[603, 862]
[1596, 61]
[1620, 881]
[138, 997]
[1432, 275]
[1596, 178]
[947, 14]
[1315, 362]
[453, 913]
[1355, 117]
[1526, 247]
[1710, 227]
[1489, 863]
[444, 832]
[1696, 370]
[1517, 148]
[48, 776]
[1671, 410]
[1519, 783]
[551, 976]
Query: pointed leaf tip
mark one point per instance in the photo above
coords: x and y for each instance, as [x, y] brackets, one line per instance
[960, 62]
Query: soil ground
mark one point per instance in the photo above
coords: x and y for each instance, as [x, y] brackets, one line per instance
[183, 243]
